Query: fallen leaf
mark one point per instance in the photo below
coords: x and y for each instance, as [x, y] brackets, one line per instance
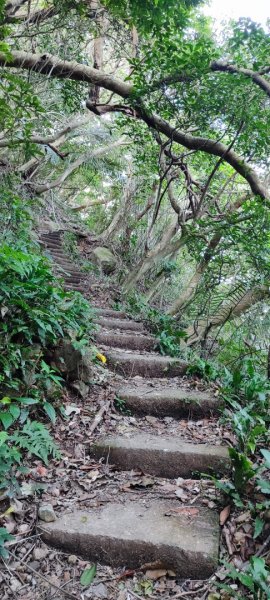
[224, 515]
[144, 482]
[7, 512]
[181, 495]
[70, 409]
[188, 511]
[156, 574]
[88, 575]
[42, 471]
[101, 357]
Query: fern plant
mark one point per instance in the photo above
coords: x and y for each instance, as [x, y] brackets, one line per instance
[36, 439]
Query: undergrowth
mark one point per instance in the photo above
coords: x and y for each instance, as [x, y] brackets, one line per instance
[35, 313]
[244, 392]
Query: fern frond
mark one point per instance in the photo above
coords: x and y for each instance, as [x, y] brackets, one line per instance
[36, 439]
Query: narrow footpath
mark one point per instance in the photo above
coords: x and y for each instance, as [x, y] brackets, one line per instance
[180, 537]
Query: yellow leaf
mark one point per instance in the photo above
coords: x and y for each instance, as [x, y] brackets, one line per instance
[5, 400]
[101, 357]
[7, 512]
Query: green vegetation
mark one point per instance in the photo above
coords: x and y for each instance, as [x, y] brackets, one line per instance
[155, 140]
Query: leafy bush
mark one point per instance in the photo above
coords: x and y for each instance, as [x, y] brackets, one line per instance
[164, 327]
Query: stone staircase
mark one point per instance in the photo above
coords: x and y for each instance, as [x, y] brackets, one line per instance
[163, 532]
[64, 267]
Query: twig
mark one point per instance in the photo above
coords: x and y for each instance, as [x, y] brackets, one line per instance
[99, 416]
[263, 546]
[37, 574]
[191, 593]
[228, 541]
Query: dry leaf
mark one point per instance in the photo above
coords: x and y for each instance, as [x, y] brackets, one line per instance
[156, 574]
[224, 515]
[188, 511]
[42, 471]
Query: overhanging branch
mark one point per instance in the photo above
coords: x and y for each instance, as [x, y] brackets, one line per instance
[50, 65]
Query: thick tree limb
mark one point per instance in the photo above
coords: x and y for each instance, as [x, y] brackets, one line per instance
[219, 65]
[50, 65]
[47, 64]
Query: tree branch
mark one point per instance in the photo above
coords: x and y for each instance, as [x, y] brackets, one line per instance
[39, 139]
[40, 188]
[219, 65]
[50, 65]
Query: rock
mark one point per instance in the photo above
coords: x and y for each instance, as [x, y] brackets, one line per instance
[73, 365]
[40, 553]
[72, 559]
[104, 259]
[15, 584]
[97, 591]
[81, 388]
[46, 513]
[34, 564]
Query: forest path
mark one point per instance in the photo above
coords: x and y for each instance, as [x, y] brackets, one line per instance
[172, 534]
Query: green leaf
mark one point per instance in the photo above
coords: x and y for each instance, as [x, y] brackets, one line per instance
[15, 411]
[266, 455]
[50, 411]
[7, 419]
[88, 575]
[3, 437]
[259, 525]
[28, 401]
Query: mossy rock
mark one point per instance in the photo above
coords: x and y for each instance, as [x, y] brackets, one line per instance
[104, 259]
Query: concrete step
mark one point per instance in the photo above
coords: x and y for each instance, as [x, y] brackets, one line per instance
[109, 312]
[131, 534]
[161, 456]
[146, 365]
[74, 288]
[73, 278]
[122, 324]
[126, 340]
[168, 401]
[53, 244]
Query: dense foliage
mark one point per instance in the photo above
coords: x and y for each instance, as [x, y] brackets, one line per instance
[154, 135]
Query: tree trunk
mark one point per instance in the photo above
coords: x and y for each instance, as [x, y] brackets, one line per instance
[196, 278]
[227, 312]
[164, 248]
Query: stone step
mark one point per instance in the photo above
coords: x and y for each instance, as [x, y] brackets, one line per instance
[168, 401]
[74, 277]
[74, 288]
[131, 534]
[109, 312]
[122, 324]
[67, 265]
[126, 340]
[162, 456]
[146, 365]
[53, 244]
[72, 272]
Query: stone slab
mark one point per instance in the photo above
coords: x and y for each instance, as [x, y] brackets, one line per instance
[126, 340]
[161, 456]
[168, 401]
[131, 534]
[122, 324]
[109, 312]
[146, 365]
